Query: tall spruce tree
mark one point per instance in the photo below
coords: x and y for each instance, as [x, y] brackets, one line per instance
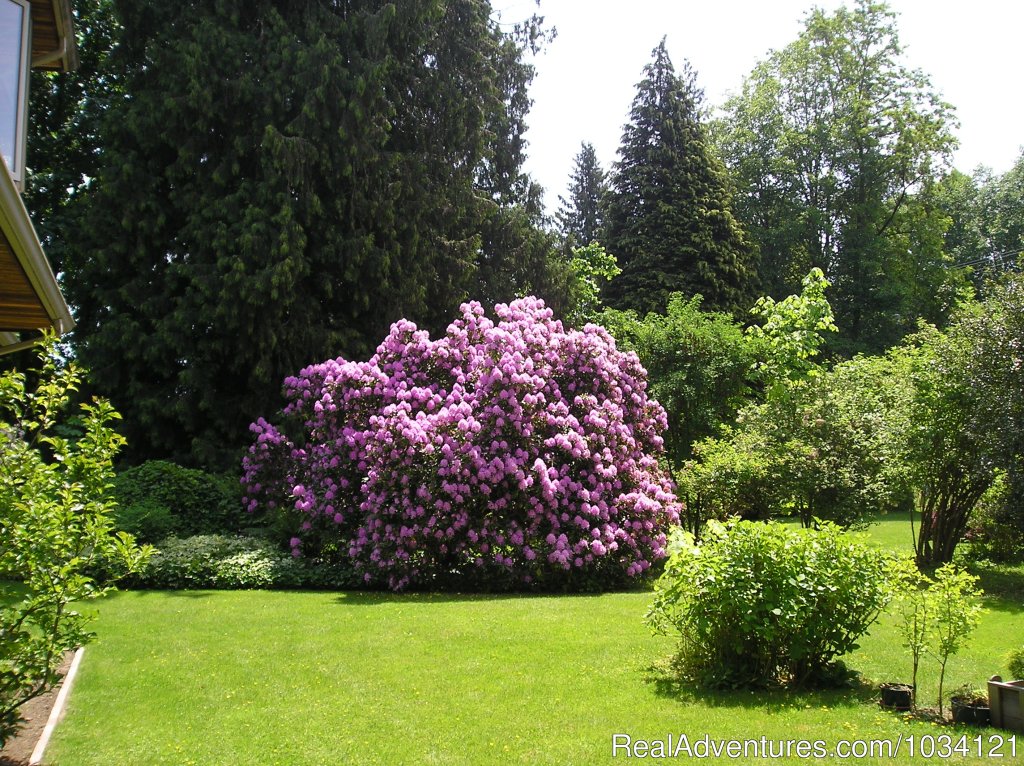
[282, 181]
[579, 217]
[669, 219]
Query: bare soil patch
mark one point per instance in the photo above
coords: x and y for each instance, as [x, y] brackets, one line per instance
[34, 713]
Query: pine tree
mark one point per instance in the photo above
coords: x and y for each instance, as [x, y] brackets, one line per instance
[579, 217]
[282, 181]
[669, 219]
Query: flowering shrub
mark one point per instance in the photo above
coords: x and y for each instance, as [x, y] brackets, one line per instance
[511, 453]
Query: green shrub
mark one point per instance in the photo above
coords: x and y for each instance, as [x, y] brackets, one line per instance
[161, 498]
[996, 529]
[54, 524]
[1015, 662]
[699, 365]
[732, 476]
[147, 521]
[758, 603]
[234, 563]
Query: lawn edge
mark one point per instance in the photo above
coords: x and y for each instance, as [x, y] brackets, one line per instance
[58, 709]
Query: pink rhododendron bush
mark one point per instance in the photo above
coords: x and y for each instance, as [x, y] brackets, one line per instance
[504, 454]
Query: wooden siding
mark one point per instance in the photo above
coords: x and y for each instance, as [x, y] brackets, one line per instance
[20, 308]
[49, 19]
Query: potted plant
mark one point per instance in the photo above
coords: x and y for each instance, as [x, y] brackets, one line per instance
[970, 706]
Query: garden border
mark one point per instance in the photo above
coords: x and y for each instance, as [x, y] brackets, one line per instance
[58, 709]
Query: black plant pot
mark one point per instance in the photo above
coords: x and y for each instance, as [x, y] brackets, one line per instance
[897, 696]
[970, 712]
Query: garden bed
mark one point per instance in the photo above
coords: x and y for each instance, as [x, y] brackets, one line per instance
[36, 712]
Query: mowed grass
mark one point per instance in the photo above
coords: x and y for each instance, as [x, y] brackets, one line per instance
[352, 678]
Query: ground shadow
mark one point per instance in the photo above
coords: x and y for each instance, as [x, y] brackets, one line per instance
[379, 598]
[193, 594]
[666, 681]
[1003, 586]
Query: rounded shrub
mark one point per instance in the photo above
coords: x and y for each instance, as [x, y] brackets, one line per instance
[760, 603]
[147, 520]
[502, 454]
[158, 498]
[1015, 662]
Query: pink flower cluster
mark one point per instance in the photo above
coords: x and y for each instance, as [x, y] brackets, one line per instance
[513, 450]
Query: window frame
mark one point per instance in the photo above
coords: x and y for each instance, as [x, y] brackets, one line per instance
[24, 69]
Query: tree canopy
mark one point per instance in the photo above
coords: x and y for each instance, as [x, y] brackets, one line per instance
[832, 139]
[281, 181]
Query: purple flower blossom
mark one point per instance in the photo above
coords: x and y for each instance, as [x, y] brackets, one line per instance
[513, 448]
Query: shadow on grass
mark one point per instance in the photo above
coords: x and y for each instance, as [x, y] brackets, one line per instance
[665, 679]
[193, 594]
[1004, 586]
[380, 598]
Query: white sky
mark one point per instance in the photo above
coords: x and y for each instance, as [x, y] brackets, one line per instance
[586, 78]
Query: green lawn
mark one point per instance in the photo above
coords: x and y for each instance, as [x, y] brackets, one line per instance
[254, 678]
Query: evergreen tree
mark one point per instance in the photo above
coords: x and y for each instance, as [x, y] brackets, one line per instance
[579, 217]
[281, 182]
[669, 219]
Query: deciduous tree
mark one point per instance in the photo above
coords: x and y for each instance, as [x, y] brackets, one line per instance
[831, 140]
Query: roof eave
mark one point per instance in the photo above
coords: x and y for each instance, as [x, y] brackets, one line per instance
[17, 227]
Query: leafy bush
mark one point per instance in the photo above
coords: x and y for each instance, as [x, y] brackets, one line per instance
[732, 476]
[699, 364]
[147, 520]
[758, 603]
[233, 562]
[818, 447]
[995, 531]
[54, 524]
[1015, 662]
[513, 452]
[159, 498]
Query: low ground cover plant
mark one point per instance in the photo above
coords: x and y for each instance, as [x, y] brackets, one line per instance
[233, 562]
[513, 452]
[757, 604]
